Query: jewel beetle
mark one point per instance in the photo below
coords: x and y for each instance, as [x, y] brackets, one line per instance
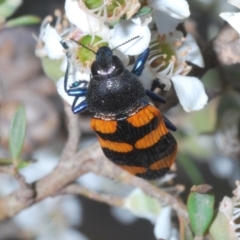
[132, 132]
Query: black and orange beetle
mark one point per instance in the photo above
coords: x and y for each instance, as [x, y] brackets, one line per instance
[132, 132]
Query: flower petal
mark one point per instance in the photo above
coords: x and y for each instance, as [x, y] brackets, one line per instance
[125, 31]
[175, 8]
[143, 21]
[86, 23]
[162, 228]
[194, 55]
[233, 19]
[169, 25]
[235, 3]
[190, 92]
[52, 44]
[146, 77]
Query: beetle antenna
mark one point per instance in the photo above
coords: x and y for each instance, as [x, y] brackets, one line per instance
[82, 45]
[125, 42]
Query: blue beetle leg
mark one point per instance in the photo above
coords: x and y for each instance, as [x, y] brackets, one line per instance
[66, 73]
[85, 82]
[65, 46]
[169, 124]
[155, 97]
[157, 84]
[80, 82]
[78, 92]
[81, 107]
[140, 62]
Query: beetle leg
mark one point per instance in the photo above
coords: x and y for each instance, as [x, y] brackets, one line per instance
[157, 84]
[169, 124]
[65, 46]
[78, 92]
[140, 62]
[155, 97]
[66, 73]
[77, 84]
[79, 108]
[75, 90]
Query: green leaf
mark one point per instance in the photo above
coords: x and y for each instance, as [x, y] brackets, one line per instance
[17, 133]
[8, 7]
[200, 206]
[190, 168]
[51, 68]
[222, 227]
[23, 164]
[23, 20]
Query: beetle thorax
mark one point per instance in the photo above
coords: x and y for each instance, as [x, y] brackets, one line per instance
[114, 95]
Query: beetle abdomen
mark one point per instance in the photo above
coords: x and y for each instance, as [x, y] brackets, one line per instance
[140, 144]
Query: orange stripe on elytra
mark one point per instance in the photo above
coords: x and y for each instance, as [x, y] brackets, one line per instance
[153, 137]
[164, 162]
[115, 146]
[103, 126]
[133, 170]
[144, 116]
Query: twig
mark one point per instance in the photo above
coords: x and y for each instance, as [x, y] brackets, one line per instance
[101, 197]
[7, 169]
[110, 170]
[90, 159]
[72, 165]
[74, 133]
[26, 192]
[50, 185]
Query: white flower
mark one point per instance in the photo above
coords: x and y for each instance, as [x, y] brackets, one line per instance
[190, 92]
[123, 31]
[93, 32]
[126, 30]
[235, 3]
[49, 36]
[83, 21]
[167, 61]
[124, 216]
[169, 13]
[110, 11]
[175, 8]
[52, 44]
[142, 205]
[90, 31]
[163, 226]
[233, 19]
